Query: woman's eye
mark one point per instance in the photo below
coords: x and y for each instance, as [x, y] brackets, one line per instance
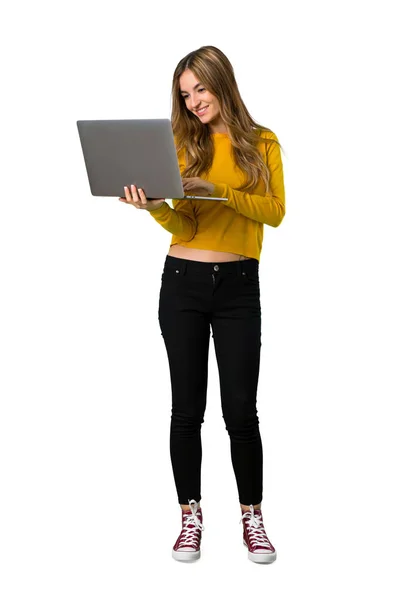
[199, 89]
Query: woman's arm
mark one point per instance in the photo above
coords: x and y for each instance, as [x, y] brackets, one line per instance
[268, 209]
[181, 221]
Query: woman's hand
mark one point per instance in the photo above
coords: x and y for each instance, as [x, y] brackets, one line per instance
[138, 199]
[195, 186]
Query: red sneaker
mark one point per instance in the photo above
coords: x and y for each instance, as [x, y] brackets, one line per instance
[187, 546]
[260, 549]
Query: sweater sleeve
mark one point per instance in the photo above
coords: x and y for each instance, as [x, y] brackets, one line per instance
[268, 209]
[179, 220]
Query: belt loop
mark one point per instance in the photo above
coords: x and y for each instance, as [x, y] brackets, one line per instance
[184, 267]
[239, 267]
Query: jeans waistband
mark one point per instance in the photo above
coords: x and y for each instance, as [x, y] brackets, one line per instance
[183, 265]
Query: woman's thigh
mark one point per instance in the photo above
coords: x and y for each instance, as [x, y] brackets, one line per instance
[236, 328]
[185, 327]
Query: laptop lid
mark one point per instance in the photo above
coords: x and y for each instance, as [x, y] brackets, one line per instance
[132, 151]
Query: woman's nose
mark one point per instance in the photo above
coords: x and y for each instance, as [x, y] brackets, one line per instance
[195, 103]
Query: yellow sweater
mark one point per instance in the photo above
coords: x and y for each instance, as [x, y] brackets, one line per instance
[235, 225]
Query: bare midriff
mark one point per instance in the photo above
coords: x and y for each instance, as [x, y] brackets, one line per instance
[204, 255]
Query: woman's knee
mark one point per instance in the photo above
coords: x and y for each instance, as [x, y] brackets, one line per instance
[242, 426]
[186, 420]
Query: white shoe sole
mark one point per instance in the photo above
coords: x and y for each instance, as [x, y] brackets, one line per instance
[264, 557]
[186, 556]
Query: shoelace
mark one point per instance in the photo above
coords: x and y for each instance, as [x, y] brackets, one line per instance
[256, 529]
[191, 527]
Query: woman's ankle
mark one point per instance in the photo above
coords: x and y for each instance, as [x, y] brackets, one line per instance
[187, 506]
[245, 508]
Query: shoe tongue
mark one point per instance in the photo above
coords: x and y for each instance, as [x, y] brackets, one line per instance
[198, 513]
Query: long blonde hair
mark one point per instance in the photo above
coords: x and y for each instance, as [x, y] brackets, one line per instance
[215, 72]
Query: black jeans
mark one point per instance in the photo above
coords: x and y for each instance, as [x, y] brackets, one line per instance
[195, 295]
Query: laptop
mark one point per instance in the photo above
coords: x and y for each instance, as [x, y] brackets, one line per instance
[132, 151]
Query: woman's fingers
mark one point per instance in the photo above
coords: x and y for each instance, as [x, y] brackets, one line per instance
[134, 194]
[142, 196]
[137, 197]
[127, 194]
[131, 198]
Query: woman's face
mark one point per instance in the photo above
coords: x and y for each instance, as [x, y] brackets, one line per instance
[197, 98]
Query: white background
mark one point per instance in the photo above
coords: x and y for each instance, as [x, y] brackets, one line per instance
[88, 507]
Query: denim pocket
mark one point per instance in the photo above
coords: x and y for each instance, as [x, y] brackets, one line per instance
[251, 277]
[171, 275]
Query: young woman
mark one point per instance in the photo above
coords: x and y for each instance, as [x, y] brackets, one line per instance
[211, 279]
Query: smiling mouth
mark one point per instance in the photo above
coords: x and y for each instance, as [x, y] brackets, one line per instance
[202, 111]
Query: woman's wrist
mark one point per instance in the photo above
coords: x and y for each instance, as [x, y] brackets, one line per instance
[211, 187]
[158, 207]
